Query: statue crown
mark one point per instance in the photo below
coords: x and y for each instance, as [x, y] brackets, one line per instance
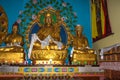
[78, 27]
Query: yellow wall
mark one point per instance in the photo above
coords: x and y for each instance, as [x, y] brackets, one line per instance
[114, 15]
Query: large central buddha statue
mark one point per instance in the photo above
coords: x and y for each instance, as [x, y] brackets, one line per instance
[48, 47]
[13, 52]
[49, 29]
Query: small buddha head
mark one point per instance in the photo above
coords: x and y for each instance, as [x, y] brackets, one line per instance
[48, 19]
[79, 30]
[15, 27]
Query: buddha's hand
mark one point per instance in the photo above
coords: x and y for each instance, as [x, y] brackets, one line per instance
[87, 47]
[81, 48]
[17, 44]
[59, 44]
[44, 44]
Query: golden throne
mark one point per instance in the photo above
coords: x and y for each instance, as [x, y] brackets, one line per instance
[52, 30]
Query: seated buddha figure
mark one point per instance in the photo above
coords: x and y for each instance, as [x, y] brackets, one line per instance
[48, 48]
[81, 51]
[13, 51]
[49, 30]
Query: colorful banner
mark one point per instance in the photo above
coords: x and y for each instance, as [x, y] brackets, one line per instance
[100, 20]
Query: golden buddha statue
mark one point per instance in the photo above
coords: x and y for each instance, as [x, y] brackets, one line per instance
[48, 48]
[49, 29]
[81, 53]
[13, 52]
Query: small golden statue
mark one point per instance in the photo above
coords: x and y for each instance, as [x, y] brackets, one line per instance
[48, 48]
[82, 53]
[13, 52]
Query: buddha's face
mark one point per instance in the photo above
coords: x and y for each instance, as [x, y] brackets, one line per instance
[15, 29]
[48, 20]
[79, 31]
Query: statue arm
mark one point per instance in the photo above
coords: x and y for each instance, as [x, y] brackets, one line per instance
[70, 38]
[7, 40]
[86, 43]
